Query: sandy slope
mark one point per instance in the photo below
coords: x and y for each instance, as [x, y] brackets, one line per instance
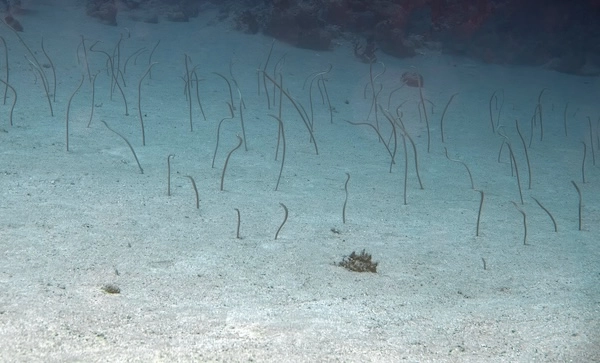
[74, 221]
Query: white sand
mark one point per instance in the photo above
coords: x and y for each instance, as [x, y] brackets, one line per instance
[71, 222]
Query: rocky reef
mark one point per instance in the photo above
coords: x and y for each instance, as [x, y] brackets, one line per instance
[559, 35]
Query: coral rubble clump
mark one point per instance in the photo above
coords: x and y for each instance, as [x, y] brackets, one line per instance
[359, 262]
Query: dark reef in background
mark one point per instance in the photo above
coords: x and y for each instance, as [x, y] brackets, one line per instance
[558, 34]
[105, 10]
[143, 10]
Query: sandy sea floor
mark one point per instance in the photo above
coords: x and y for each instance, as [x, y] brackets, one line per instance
[73, 222]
